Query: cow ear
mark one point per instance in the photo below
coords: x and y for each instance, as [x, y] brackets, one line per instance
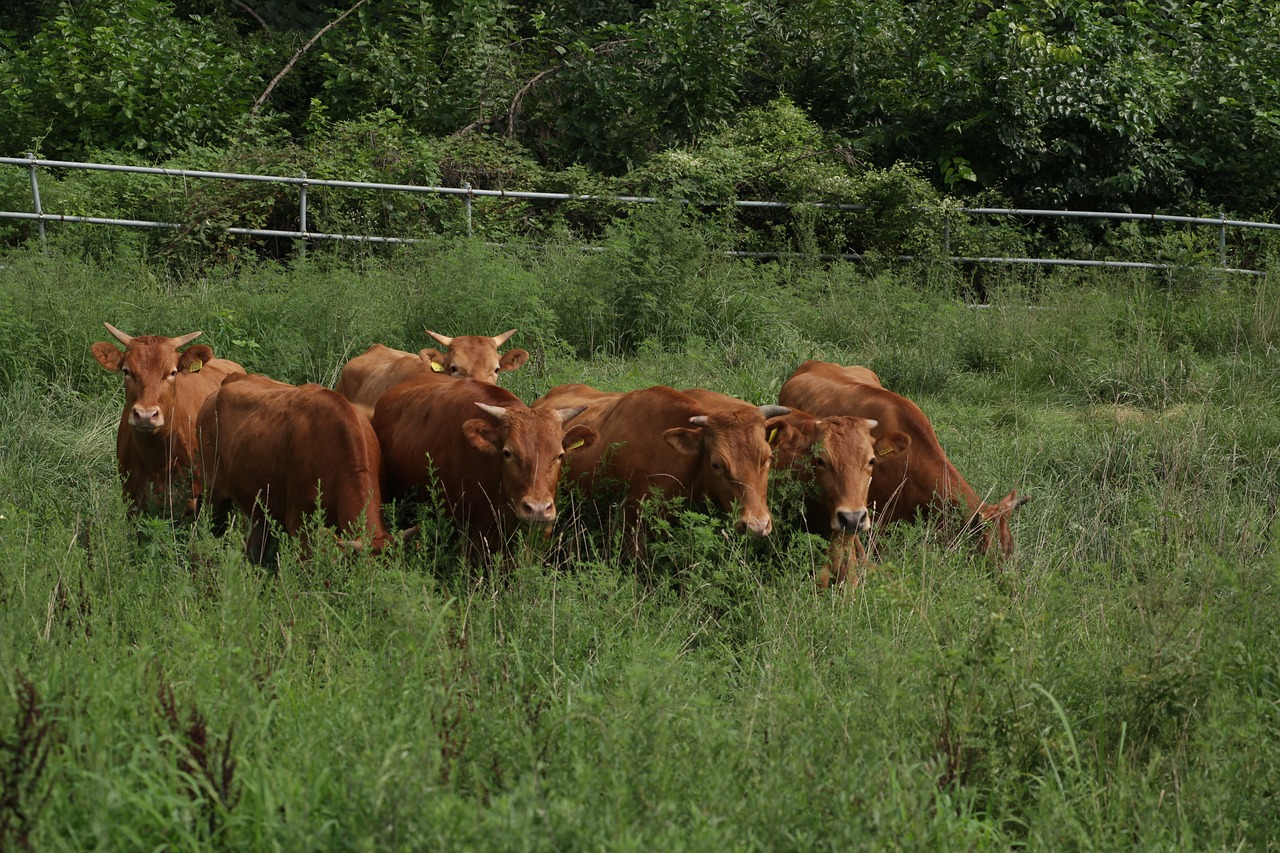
[196, 357]
[578, 437]
[512, 359]
[433, 357]
[778, 432]
[108, 356]
[684, 440]
[482, 435]
[892, 443]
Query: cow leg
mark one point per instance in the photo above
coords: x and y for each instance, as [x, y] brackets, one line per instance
[221, 518]
[260, 545]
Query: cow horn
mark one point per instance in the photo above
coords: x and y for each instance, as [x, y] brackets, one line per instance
[774, 411]
[700, 420]
[443, 341]
[499, 340]
[570, 413]
[497, 411]
[185, 339]
[118, 335]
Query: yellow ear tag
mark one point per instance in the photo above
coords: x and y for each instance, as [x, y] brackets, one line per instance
[576, 444]
[887, 450]
[437, 367]
[773, 434]
[196, 365]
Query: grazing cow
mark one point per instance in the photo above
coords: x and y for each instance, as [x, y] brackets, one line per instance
[661, 440]
[496, 460]
[834, 455]
[280, 452]
[913, 474]
[378, 369]
[156, 439]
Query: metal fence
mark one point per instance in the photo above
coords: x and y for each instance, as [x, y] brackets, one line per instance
[469, 195]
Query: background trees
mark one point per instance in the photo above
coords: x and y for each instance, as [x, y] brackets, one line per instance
[1145, 104]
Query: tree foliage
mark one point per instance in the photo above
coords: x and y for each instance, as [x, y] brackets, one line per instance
[1141, 104]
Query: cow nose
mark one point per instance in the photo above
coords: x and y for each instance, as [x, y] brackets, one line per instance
[759, 525]
[852, 519]
[146, 417]
[538, 511]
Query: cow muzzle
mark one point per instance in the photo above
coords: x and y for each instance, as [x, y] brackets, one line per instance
[146, 418]
[760, 525]
[537, 512]
[851, 520]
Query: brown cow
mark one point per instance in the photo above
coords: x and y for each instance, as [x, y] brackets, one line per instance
[836, 457]
[156, 439]
[661, 440]
[279, 452]
[912, 477]
[496, 460]
[378, 369]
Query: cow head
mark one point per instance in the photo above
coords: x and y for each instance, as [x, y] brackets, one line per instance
[993, 523]
[733, 456]
[151, 366]
[532, 444]
[474, 356]
[838, 455]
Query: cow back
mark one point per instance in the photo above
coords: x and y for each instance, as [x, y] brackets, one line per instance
[295, 449]
[365, 378]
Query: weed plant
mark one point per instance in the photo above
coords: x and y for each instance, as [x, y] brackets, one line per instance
[1115, 686]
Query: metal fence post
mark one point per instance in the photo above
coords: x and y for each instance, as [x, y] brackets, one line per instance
[302, 216]
[35, 195]
[466, 185]
[1222, 239]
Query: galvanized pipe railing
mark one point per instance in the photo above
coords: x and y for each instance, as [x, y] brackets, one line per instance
[469, 193]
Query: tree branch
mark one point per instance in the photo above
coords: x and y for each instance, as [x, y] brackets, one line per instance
[252, 14]
[289, 65]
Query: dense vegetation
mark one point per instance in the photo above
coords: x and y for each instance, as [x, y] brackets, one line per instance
[1115, 686]
[1146, 105]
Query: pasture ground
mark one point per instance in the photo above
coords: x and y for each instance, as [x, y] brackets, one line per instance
[1116, 686]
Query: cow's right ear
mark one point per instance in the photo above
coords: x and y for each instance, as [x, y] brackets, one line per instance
[433, 357]
[482, 435]
[684, 440]
[108, 356]
[892, 443]
[779, 433]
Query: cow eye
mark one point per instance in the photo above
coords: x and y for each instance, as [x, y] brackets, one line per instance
[506, 453]
[819, 462]
[453, 368]
[124, 371]
[173, 373]
[871, 462]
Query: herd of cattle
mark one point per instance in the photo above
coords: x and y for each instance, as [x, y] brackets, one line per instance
[197, 429]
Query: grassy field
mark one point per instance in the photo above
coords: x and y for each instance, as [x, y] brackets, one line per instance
[1116, 686]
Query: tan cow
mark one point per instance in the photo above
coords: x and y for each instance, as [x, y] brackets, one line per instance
[914, 477]
[659, 440]
[280, 452]
[378, 369]
[834, 455]
[156, 439]
[496, 461]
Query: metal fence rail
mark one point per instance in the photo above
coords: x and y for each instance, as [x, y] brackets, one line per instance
[469, 194]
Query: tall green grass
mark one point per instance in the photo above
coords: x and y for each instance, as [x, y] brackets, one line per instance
[1116, 686]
